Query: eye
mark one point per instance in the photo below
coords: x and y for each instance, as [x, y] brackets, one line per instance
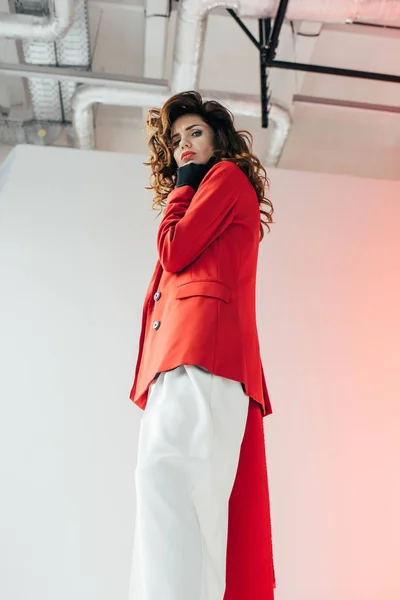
[195, 133]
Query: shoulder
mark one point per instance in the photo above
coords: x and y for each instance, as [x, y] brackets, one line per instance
[226, 166]
[228, 170]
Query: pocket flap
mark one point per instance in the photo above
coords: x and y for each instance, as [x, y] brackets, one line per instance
[214, 289]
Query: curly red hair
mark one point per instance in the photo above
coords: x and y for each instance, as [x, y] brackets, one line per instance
[229, 144]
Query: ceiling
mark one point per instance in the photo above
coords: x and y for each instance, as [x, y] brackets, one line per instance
[352, 140]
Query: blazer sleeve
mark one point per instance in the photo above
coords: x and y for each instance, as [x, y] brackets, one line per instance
[193, 220]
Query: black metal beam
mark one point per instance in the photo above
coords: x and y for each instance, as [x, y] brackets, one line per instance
[274, 37]
[366, 24]
[267, 47]
[264, 30]
[243, 26]
[268, 44]
[282, 64]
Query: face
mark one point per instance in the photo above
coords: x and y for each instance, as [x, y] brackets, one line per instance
[192, 140]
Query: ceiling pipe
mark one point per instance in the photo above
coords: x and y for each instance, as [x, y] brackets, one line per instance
[86, 97]
[40, 29]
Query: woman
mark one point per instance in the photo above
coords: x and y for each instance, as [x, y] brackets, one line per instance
[202, 525]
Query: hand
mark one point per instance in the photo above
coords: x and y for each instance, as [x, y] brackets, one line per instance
[193, 173]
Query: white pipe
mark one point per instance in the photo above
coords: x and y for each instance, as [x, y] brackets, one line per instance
[41, 29]
[190, 34]
[282, 120]
[87, 96]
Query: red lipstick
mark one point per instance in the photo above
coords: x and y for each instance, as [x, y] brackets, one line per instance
[186, 155]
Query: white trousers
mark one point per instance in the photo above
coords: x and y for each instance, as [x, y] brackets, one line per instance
[189, 444]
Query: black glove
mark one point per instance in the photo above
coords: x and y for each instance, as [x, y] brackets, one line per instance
[192, 173]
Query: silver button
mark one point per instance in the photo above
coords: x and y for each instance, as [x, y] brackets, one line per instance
[156, 324]
[157, 296]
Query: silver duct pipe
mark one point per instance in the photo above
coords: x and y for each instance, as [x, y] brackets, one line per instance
[51, 100]
[41, 29]
[282, 121]
[86, 97]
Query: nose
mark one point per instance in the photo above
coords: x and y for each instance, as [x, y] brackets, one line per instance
[185, 143]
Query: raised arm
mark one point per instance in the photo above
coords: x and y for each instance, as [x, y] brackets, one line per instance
[193, 220]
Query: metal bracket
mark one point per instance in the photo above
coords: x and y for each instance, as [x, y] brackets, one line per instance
[267, 45]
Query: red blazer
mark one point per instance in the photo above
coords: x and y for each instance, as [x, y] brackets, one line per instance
[200, 305]
[200, 309]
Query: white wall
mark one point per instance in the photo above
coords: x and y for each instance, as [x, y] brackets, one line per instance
[77, 248]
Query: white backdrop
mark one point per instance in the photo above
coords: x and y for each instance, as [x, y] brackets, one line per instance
[77, 249]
